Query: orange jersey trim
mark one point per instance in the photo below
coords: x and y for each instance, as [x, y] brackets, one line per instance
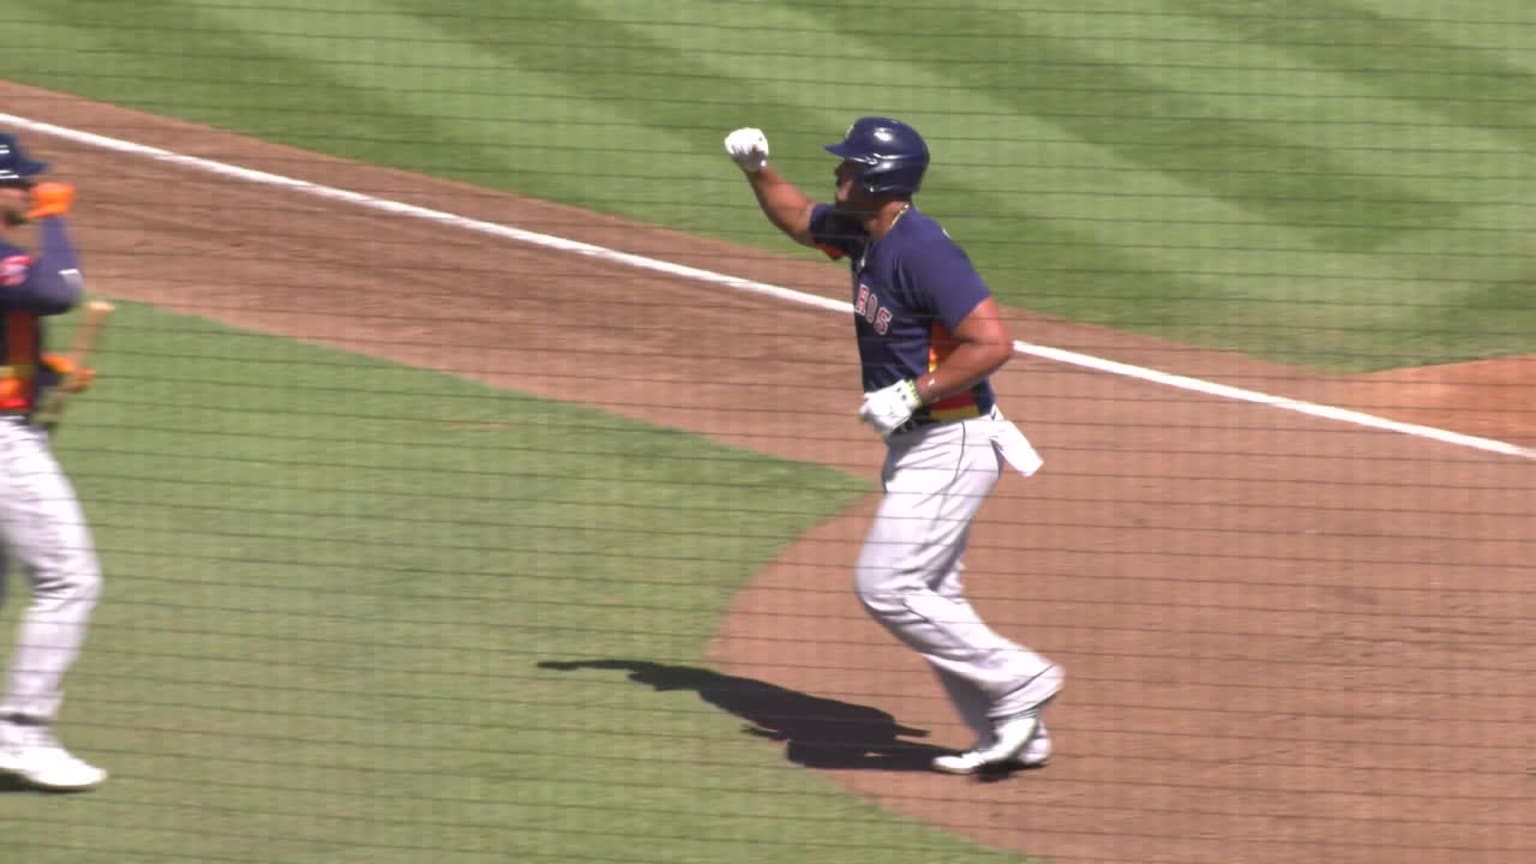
[940, 344]
[21, 346]
[960, 406]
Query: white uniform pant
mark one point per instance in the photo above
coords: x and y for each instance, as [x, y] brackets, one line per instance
[908, 572]
[44, 535]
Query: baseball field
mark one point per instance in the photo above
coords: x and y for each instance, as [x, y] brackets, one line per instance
[431, 536]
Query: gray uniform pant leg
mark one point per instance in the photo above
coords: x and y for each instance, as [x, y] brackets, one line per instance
[968, 700]
[908, 571]
[45, 535]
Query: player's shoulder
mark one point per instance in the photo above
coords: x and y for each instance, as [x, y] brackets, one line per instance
[926, 237]
[924, 230]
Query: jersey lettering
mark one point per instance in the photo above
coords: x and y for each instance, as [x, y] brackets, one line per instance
[867, 306]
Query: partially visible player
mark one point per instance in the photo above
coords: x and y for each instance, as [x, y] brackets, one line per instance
[42, 528]
[929, 336]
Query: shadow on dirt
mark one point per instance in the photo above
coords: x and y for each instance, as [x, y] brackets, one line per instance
[817, 732]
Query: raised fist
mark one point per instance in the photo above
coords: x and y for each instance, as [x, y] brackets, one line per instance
[749, 148]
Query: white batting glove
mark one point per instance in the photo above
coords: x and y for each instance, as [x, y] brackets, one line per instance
[749, 148]
[889, 407]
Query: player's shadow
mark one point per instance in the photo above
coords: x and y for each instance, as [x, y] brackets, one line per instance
[817, 732]
[9, 784]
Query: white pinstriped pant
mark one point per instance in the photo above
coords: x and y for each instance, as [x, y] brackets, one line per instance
[44, 533]
[908, 572]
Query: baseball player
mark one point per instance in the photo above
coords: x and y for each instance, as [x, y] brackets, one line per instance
[929, 336]
[41, 525]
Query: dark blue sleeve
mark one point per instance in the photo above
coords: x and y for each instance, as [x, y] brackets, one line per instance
[48, 284]
[943, 282]
[834, 233]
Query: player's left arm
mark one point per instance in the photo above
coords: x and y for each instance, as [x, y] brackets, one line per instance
[981, 344]
[974, 341]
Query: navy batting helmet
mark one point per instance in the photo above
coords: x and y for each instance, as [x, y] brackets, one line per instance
[16, 167]
[892, 154]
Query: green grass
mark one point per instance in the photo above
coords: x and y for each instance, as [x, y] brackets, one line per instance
[1343, 184]
[330, 582]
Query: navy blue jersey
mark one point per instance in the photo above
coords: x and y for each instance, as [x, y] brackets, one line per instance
[911, 289]
[30, 288]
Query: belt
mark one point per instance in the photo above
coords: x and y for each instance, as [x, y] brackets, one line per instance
[917, 423]
[928, 421]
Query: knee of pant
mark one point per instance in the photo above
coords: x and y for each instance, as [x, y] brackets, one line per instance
[75, 579]
[879, 589]
[886, 606]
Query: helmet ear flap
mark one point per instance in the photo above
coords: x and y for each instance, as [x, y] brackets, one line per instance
[893, 154]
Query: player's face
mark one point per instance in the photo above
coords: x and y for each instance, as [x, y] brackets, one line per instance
[849, 196]
[13, 205]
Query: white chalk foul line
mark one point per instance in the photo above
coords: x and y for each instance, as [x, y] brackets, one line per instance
[1311, 409]
[777, 292]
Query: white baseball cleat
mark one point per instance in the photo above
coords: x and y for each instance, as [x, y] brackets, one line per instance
[33, 754]
[1003, 750]
[1038, 751]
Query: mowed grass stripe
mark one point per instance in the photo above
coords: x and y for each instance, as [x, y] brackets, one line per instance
[1055, 265]
[1462, 80]
[1376, 133]
[1404, 134]
[630, 52]
[1060, 224]
[1096, 92]
[1457, 289]
[647, 146]
[1056, 223]
[534, 131]
[1372, 134]
[171, 58]
[1184, 254]
[1271, 289]
[997, 176]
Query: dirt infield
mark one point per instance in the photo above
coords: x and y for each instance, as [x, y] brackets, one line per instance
[1288, 639]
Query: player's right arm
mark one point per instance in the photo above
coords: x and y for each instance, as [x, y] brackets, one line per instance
[48, 284]
[782, 202]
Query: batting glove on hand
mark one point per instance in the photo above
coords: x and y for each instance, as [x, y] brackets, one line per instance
[889, 407]
[73, 378]
[749, 148]
[51, 199]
